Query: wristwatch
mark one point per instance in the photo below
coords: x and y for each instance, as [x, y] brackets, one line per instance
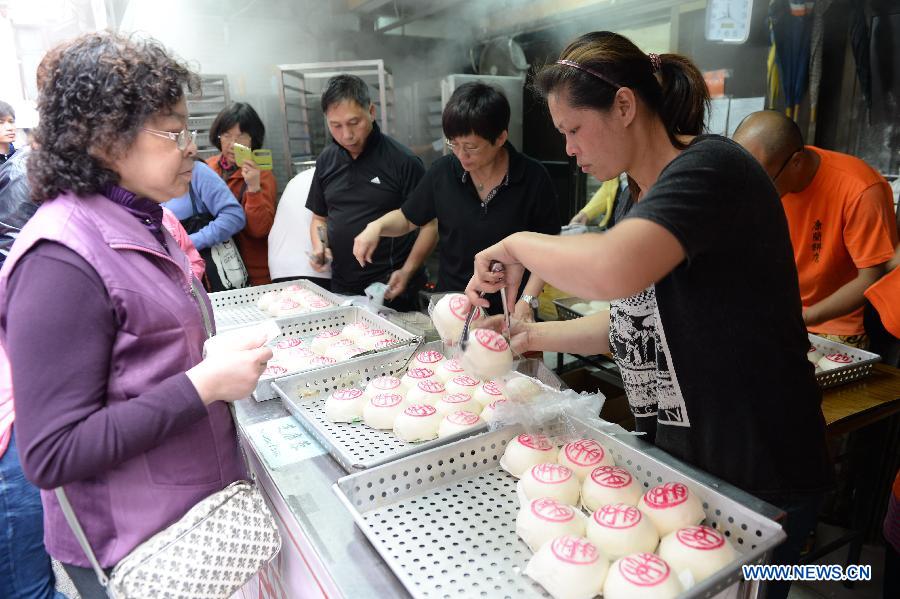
[530, 300]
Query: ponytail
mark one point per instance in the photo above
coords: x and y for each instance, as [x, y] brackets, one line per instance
[593, 67]
[685, 97]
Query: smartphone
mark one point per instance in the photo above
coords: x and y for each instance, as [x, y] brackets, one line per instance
[262, 158]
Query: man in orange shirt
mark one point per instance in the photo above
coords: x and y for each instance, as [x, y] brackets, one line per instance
[841, 218]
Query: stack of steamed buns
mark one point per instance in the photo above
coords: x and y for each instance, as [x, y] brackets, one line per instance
[292, 301]
[434, 398]
[634, 543]
[293, 354]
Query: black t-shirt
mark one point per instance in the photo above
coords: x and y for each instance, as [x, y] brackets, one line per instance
[352, 193]
[466, 225]
[714, 355]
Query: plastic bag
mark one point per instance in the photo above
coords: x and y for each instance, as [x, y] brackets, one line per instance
[228, 340]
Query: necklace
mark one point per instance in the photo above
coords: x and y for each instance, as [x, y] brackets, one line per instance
[480, 186]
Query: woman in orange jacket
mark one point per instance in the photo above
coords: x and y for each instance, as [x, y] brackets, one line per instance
[253, 188]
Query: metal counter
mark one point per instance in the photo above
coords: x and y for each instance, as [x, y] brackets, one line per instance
[337, 558]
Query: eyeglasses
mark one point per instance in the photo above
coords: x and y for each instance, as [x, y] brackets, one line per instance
[468, 149]
[182, 139]
[243, 138]
[786, 162]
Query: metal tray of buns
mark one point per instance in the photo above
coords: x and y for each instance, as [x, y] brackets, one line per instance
[237, 308]
[356, 446]
[444, 519]
[307, 326]
[860, 367]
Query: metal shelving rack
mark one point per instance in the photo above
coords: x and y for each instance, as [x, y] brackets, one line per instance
[203, 108]
[300, 87]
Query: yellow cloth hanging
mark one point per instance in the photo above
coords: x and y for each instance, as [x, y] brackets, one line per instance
[601, 202]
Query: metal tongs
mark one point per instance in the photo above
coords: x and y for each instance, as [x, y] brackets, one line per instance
[464, 336]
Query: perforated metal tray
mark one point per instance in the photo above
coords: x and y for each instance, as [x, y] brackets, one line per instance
[444, 519]
[356, 446]
[861, 366]
[309, 325]
[564, 307]
[237, 308]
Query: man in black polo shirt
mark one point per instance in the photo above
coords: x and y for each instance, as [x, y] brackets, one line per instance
[482, 192]
[363, 175]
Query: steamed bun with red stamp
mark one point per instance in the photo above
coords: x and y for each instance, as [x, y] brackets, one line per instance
[610, 484]
[458, 421]
[583, 455]
[621, 529]
[487, 355]
[641, 576]
[671, 506]
[832, 361]
[569, 567]
[543, 519]
[551, 480]
[700, 549]
[449, 316]
[417, 423]
[345, 405]
[526, 451]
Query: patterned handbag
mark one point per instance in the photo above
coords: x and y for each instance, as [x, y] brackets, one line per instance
[216, 547]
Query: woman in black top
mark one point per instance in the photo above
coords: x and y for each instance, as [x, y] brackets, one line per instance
[480, 193]
[705, 323]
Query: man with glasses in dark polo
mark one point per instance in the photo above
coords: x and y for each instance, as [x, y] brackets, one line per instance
[841, 218]
[361, 176]
[482, 192]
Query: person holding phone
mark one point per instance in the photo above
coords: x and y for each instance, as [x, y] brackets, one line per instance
[255, 189]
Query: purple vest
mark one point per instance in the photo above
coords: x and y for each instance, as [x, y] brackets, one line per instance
[160, 334]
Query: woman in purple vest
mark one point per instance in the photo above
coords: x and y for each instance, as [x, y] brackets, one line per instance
[103, 322]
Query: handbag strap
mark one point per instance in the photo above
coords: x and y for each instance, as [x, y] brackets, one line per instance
[75, 525]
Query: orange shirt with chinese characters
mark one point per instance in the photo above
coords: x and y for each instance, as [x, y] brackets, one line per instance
[843, 221]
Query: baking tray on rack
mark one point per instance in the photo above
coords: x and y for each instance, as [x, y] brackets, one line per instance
[444, 520]
[237, 308]
[356, 446]
[306, 326]
[860, 367]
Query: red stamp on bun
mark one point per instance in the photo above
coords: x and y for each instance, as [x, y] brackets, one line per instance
[420, 411]
[611, 477]
[491, 340]
[387, 400]
[549, 509]
[347, 394]
[666, 495]
[703, 538]
[551, 474]
[617, 515]
[644, 569]
[463, 418]
[585, 452]
[539, 442]
[575, 551]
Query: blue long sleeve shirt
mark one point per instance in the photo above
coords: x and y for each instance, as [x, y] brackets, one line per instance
[215, 199]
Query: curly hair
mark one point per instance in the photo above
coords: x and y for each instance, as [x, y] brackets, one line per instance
[97, 92]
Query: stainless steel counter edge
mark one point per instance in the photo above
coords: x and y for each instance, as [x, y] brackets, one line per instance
[342, 550]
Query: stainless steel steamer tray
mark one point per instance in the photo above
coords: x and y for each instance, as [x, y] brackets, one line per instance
[357, 446]
[237, 308]
[445, 520]
[861, 366]
[308, 325]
